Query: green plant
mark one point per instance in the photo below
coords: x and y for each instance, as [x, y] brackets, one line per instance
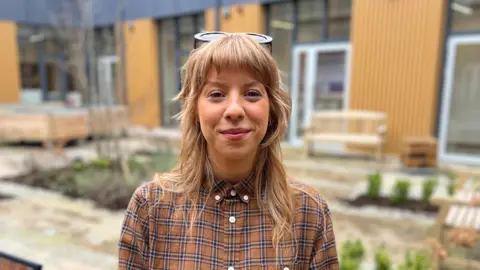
[451, 187]
[374, 185]
[418, 261]
[382, 260]
[102, 162]
[352, 254]
[349, 264]
[400, 191]
[429, 187]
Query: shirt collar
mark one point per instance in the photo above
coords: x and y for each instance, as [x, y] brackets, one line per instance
[221, 189]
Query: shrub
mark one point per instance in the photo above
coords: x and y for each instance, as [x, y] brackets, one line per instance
[400, 191]
[352, 254]
[382, 260]
[348, 263]
[374, 185]
[429, 187]
[420, 261]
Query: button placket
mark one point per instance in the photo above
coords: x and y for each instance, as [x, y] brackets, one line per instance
[233, 238]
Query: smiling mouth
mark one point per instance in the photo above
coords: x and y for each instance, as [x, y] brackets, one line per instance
[235, 131]
[236, 134]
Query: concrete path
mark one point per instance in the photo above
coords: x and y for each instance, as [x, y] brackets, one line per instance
[58, 232]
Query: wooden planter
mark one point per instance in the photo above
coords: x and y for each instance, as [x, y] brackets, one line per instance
[59, 123]
[419, 152]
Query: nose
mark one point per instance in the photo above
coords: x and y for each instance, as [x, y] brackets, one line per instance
[234, 111]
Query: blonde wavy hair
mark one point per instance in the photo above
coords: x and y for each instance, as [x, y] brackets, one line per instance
[193, 169]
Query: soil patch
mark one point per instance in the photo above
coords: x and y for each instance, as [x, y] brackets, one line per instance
[100, 181]
[6, 197]
[413, 205]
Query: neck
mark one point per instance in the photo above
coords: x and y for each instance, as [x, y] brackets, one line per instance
[232, 170]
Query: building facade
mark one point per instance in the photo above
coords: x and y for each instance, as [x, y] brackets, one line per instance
[417, 61]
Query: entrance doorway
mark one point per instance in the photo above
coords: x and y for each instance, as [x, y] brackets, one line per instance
[459, 138]
[320, 82]
[107, 79]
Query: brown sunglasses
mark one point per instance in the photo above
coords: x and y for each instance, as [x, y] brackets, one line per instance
[205, 37]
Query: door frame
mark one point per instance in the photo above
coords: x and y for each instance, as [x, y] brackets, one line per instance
[106, 61]
[312, 51]
[449, 74]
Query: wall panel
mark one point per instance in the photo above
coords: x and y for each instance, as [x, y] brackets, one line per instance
[142, 71]
[242, 18]
[9, 68]
[396, 64]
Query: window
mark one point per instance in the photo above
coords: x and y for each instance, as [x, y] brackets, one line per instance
[310, 20]
[176, 42]
[339, 17]
[281, 30]
[41, 59]
[105, 43]
[465, 15]
[301, 21]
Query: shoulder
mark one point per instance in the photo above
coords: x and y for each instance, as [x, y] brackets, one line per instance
[148, 194]
[309, 198]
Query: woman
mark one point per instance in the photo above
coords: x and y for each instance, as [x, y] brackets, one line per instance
[228, 204]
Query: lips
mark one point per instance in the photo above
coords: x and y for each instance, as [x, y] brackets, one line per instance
[234, 131]
[235, 134]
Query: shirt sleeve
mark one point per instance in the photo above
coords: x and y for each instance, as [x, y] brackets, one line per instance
[133, 244]
[324, 255]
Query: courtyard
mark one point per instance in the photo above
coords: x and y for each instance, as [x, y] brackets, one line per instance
[45, 223]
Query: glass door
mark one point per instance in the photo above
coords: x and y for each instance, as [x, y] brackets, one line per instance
[320, 81]
[300, 66]
[459, 139]
[107, 79]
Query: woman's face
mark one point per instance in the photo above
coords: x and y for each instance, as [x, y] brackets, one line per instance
[233, 110]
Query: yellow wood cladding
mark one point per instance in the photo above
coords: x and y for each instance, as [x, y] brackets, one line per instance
[9, 69]
[142, 69]
[242, 18]
[396, 63]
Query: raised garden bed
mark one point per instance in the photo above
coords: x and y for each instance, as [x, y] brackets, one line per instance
[100, 181]
[416, 206]
[399, 197]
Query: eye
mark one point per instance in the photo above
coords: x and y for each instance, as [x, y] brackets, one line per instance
[215, 95]
[253, 93]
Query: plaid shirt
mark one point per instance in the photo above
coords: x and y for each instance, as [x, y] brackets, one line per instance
[232, 233]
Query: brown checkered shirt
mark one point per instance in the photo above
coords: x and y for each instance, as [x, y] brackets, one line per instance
[232, 233]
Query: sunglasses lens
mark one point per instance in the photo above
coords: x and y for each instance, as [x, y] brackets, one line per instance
[202, 38]
[258, 38]
[211, 36]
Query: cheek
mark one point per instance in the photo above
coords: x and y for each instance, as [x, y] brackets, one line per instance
[260, 113]
[208, 115]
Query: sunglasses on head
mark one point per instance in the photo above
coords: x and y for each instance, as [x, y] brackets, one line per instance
[205, 37]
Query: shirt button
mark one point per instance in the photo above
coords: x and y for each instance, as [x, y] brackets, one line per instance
[232, 219]
[233, 192]
[231, 268]
[217, 197]
[245, 197]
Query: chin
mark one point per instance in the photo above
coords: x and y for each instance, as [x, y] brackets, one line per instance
[236, 153]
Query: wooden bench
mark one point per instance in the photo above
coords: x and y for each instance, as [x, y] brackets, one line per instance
[362, 128]
[11, 262]
[460, 211]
